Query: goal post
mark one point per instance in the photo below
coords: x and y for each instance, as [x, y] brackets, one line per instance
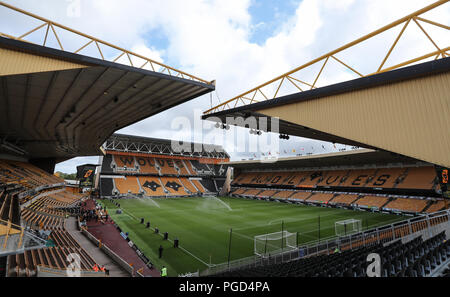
[275, 242]
[347, 227]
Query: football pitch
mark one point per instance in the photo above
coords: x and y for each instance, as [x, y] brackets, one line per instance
[203, 225]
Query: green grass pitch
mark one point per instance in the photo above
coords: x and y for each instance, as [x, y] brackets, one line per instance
[202, 226]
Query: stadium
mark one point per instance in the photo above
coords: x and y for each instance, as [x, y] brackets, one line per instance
[154, 207]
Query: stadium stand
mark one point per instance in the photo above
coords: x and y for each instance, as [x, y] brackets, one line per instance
[267, 193]
[252, 192]
[320, 197]
[410, 178]
[40, 209]
[174, 186]
[402, 189]
[418, 178]
[344, 199]
[362, 200]
[188, 185]
[200, 167]
[166, 166]
[160, 172]
[198, 185]
[124, 162]
[152, 186]
[147, 165]
[183, 170]
[24, 175]
[411, 205]
[107, 186]
[9, 208]
[332, 178]
[302, 196]
[209, 185]
[372, 201]
[25, 264]
[416, 258]
[283, 194]
[129, 184]
[105, 230]
[239, 191]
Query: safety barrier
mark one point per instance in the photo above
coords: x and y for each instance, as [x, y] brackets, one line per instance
[7, 231]
[116, 258]
[47, 271]
[426, 225]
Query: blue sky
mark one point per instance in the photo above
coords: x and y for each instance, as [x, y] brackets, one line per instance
[267, 18]
[268, 15]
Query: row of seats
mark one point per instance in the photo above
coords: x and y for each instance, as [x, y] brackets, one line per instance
[63, 244]
[48, 214]
[25, 175]
[9, 208]
[25, 264]
[38, 213]
[158, 186]
[416, 258]
[424, 178]
[159, 176]
[159, 166]
[360, 200]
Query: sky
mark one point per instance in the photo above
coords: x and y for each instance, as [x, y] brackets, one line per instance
[238, 43]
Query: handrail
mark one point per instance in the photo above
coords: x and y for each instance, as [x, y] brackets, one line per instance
[123, 52]
[249, 97]
[9, 226]
[63, 271]
[55, 268]
[116, 258]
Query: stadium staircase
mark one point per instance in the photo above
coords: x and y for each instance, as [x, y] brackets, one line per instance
[162, 185]
[429, 204]
[114, 244]
[335, 195]
[357, 198]
[94, 251]
[390, 199]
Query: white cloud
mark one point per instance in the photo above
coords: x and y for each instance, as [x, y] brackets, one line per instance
[70, 166]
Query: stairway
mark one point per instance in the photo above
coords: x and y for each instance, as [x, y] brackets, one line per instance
[401, 178]
[357, 198]
[429, 204]
[335, 195]
[390, 199]
[94, 251]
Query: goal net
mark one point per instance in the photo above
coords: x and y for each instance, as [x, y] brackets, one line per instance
[275, 242]
[347, 227]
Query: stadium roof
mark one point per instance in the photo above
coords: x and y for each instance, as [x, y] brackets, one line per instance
[353, 158]
[385, 78]
[389, 111]
[57, 104]
[147, 145]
